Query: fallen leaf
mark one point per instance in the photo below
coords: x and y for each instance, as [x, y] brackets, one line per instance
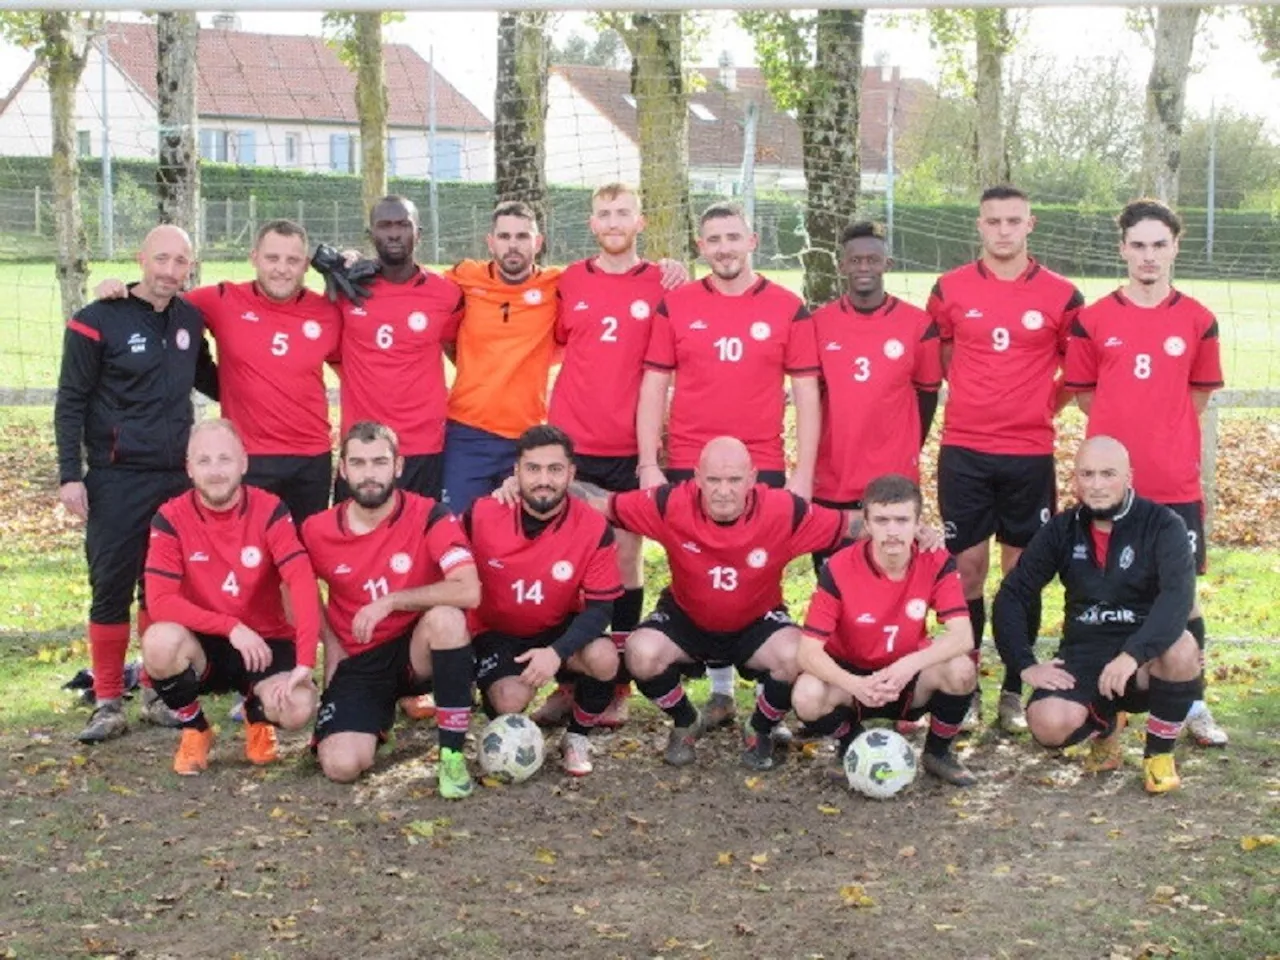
[724, 859]
[828, 809]
[543, 855]
[854, 895]
[753, 783]
[1261, 840]
[760, 859]
[907, 852]
[944, 927]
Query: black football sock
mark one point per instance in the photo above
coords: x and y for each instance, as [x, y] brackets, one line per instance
[830, 724]
[181, 695]
[668, 695]
[946, 713]
[254, 711]
[978, 618]
[1170, 702]
[772, 704]
[451, 683]
[626, 609]
[591, 697]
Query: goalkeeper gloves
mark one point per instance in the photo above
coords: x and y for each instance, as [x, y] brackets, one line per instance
[339, 278]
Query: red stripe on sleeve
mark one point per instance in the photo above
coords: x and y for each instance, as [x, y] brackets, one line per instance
[84, 330]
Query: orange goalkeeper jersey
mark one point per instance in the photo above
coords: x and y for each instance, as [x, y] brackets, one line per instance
[505, 346]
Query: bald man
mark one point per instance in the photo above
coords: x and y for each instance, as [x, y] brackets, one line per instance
[123, 410]
[1129, 584]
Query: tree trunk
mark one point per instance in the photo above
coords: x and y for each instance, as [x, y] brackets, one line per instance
[65, 57]
[656, 42]
[1166, 101]
[178, 164]
[371, 102]
[829, 132]
[520, 111]
[992, 40]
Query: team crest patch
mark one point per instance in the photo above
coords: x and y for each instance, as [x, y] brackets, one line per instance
[1126, 558]
[639, 310]
[562, 571]
[182, 340]
[250, 557]
[917, 608]
[417, 321]
[1044, 515]
[757, 558]
[533, 297]
[311, 330]
[1033, 319]
[401, 563]
[893, 349]
[1175, 346]
[760, 330]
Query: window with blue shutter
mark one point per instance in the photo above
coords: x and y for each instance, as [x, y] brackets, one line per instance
[206, 144]
[447, 163]
[340, 152]
[391, 156]
[247, 154]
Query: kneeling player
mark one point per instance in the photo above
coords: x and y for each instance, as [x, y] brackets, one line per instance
[217, 557]
[549, 572]
[865, 652]
[1129, 580]
[400, 573]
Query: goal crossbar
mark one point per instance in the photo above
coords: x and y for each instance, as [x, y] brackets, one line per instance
[479, 6]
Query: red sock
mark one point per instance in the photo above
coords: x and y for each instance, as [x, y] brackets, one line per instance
[108, 643]
[144, 624]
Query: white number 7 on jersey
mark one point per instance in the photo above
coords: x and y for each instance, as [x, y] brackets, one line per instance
[890, 635]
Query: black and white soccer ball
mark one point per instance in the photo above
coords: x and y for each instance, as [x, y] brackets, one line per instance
[511, 748]
[880, 763]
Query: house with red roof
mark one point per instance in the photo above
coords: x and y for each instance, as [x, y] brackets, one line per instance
[262, 99]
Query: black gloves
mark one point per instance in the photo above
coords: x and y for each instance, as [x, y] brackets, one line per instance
[342, 279]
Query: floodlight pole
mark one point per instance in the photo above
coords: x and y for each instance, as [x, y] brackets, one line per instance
[107, 220]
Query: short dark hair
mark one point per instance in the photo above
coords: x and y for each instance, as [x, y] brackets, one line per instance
[410, 207]
[370, 431]
[892, 488]
[514, 208]
[543, 435]
[1003, 191]
[860, 229]
[721, 209]
[285, 228]
[1148, 208]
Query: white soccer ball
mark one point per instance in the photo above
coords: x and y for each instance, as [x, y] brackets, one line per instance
[880, 763]
[511, 748]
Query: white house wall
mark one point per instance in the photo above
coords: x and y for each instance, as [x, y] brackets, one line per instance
[583, 147]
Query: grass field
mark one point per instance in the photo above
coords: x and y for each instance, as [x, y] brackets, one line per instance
[31, 319]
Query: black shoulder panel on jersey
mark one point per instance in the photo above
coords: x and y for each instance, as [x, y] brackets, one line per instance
[799, 510]
[607, 539]
[936, 292]
[1076, 301]
[281, 512]
[827, 582]
[438, 512]
[931, 332]
[1212, 332]
[948, 567]
[466, 522]
[1078, 330]
[802, 313]
[660, 498]
[662, 307]
[222, 288]
[161, 522]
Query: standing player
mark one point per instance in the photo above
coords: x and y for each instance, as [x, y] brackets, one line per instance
[217, 560]
[1129, 583]
[400, 573]
[881, 370]
[1144, 361]
[605, 306]
[866, 652]
[549, 576]
[1004, 322]
[124, 406]
[730, 341]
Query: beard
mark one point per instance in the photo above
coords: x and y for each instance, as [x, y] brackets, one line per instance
[1108, 512]
[216, 500]
[542, 501]
[372, 495]
[394, 259]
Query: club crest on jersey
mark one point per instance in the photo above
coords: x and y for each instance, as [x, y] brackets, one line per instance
[639, 310]
[760, 330]
[1175, 346]
[1033, 319]
[417, 321]
[250, 557]
[182, 339]
[1045, 515]
[401, 562]
[1126, 558]
[311, 330]
[562, 571]
[533, 297]
[893, 349]
[917, 608]
[757, 558]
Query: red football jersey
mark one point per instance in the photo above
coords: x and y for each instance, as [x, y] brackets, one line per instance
[872, 365]
[1143, 364]
[392, 361]
[271, 359]
[417, 544]
[868, 620]
[725, 576]
[1008, 339]
[730, 357]
[527, 586]
[603, 322]
[209, 570]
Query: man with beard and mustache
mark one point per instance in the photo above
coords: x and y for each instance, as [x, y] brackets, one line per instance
[217, 560]
[730, 341]
[124, 408]
[1144, 362]
[549, 576]
[400, 572]
[1129, 583]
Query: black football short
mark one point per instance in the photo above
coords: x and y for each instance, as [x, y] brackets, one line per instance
[770, 478]
[900, 709]
[496, 653]
[709, 649]
[423, 474]
[301, 482]
[1086, 665]
[985, 494]
[614, 474]
[225, 671]
[1192, 515]
[361, 697]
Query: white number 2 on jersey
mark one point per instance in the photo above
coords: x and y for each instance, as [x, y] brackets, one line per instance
[610, 332]
[231, 585]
